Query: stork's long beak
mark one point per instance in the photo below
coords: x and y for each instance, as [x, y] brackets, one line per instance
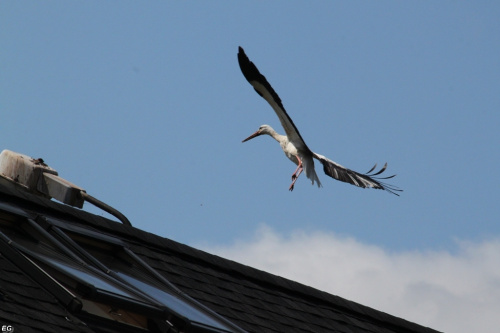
[252, 136]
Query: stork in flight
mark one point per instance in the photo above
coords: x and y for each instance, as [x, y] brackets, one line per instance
[294, 146]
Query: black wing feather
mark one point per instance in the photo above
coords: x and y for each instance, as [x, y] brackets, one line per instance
[366, 180]
[251, 73]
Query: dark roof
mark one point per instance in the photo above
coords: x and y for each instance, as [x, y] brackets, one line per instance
[25, 304]
[253, 300]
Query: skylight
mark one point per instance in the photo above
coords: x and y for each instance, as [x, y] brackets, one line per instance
[106, 274]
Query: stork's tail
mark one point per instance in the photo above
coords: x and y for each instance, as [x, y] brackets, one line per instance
[308, 164]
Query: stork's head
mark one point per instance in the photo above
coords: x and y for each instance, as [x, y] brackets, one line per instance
[264, 129]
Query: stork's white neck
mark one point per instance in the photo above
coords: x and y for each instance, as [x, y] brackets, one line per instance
[278, 137]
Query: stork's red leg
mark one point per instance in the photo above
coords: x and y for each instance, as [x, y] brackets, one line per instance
[299, 166]
[296, 175]
[295, 179]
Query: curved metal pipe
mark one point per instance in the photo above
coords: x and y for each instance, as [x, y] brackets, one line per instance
[98, 203]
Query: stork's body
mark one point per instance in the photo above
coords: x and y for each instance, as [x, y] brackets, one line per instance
[296, 151]
[294, 146]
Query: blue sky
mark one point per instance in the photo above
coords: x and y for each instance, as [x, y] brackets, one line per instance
[145, 107]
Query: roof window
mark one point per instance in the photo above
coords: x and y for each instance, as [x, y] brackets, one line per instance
[111, 281]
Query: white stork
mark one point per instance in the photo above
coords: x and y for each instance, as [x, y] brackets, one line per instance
[294, 146]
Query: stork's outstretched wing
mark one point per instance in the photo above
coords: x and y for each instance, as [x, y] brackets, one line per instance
[346, 175]
[264, 89]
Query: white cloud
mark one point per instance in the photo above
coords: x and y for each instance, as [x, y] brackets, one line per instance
[451, 292]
